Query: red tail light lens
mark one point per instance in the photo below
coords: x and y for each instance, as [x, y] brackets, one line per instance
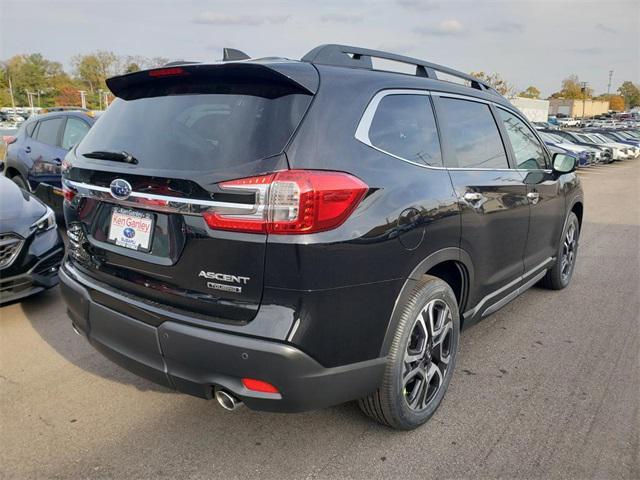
[258, 385]
[8, 139]
[293, 202]
[68, 193]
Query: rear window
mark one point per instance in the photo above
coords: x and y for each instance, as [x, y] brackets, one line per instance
[198, 132]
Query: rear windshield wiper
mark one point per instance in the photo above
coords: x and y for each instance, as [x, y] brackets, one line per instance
[115, 156]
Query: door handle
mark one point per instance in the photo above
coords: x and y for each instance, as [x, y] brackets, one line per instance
[534, 197]
[473, 197]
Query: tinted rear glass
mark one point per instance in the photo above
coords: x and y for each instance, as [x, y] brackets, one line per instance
[404, 125]
[201, 132]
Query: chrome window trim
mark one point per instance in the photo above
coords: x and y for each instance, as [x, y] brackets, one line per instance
[185, 206]
[362, 130]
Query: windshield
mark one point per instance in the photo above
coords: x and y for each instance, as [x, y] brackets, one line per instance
[201, 132]
[556, 138]
[602, 138]
[587, 138]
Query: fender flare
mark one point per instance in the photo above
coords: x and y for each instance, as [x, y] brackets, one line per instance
[443, 255]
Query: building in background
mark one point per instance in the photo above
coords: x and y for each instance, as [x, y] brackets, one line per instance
[574, 108]
[534, 109]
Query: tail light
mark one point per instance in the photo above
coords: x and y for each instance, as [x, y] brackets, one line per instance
[9, 139]
[293, 202]
[68, 193]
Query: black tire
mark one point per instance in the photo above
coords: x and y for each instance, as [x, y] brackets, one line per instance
[559, 276]
[390, 403]
[18, 180]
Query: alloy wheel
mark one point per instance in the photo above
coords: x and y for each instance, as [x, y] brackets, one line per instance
[568, 252]
[427, 355]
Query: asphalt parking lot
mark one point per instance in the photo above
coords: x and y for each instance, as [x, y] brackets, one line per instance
[548, 387]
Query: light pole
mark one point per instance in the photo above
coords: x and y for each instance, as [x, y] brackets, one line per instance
[100, 97]
[609, 85]
[30, 96]
[583, 88]
[83, 100]
[13, 103]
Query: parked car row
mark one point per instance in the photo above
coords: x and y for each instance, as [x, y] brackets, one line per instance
[593, 146]
[31, 248]
[554, 122]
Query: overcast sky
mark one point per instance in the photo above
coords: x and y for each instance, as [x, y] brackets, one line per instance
[529, 42]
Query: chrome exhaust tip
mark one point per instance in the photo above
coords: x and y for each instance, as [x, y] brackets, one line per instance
[227, 400]
[75, 329]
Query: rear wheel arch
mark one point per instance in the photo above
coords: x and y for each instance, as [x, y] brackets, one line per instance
[12, 172]
[578, 209]
[452, 265]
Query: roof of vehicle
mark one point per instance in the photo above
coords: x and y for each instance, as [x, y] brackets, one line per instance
[426, 74]
[86, 114]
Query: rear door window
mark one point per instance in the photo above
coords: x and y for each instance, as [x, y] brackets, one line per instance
[49, 130]
[404, 126]
[472, 134]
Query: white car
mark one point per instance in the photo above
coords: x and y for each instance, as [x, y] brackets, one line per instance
[593, 154]
[568, 122]
[619, 151]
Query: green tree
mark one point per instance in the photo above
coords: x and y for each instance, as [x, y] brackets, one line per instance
[502, 86]
[572, 89]
[132, 67]
[530, 92]
[631, 94]
[93, 69]
[35, 74]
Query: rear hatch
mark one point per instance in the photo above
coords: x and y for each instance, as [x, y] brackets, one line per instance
[146, 177]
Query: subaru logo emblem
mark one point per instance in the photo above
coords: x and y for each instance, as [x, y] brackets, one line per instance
[120, 189]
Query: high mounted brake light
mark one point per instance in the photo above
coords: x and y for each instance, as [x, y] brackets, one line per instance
[293, 202]
[167, 72]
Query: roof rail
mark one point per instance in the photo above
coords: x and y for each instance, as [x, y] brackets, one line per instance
[356, 57]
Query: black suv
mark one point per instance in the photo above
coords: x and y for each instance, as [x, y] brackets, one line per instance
[298, 234]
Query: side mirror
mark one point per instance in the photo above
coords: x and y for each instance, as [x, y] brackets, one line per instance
[563, 163]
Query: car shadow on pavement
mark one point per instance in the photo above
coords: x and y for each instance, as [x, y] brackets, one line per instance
[47, 314]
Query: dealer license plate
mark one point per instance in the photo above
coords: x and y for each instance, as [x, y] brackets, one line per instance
[131, 228]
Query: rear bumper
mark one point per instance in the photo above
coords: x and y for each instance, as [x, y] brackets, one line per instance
[195, 360]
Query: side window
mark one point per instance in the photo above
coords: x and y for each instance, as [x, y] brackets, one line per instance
[529, 153]
[74, 131]
[48, 131]
[404, 125]
[30, 128]
[473, 135]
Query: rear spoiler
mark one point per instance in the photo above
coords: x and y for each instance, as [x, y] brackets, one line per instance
[284, 77]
